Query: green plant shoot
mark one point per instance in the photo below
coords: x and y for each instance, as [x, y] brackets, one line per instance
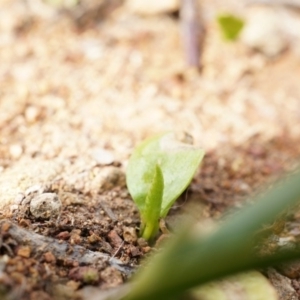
[159, 170]
[153, 205]
[230, 26]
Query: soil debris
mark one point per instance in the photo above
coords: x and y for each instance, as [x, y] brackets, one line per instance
[80, 87]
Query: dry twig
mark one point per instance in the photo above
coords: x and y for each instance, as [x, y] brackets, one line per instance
[61, 250]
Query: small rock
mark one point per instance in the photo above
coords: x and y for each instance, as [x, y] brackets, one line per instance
[153, 7]
[129, 234]
[31, 114]
[75, 237]
[15, 151]
[5, 227]
[114, 238]
[45, 206]
[49, 257]
[288, 241]
[263, 32]
[24, 251]
[103, 157]
[93, 238]
[146, 249]
[25, 223]
[64, 235]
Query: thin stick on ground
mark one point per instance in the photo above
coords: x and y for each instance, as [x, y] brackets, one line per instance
[61, 250]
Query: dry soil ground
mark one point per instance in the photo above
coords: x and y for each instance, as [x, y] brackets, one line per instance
[75, 98]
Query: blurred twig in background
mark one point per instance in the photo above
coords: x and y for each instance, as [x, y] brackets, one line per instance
[193, 32]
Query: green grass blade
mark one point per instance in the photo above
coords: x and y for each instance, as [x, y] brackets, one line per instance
[187, 262]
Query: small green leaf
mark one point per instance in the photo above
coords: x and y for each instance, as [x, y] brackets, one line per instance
[230, 26]
[178, 162]
[151, 214]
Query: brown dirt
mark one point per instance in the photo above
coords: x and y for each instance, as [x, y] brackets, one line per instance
[78, 94]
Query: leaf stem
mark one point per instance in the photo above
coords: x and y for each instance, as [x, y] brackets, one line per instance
[151, 215]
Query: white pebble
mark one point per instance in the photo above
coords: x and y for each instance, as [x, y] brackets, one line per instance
[263, 32]
[103, 157]
[45, 206]
[15, 151]
[31, 114]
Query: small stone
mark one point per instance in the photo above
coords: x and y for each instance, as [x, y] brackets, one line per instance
[49, 257]
[31, 114]
[146, 249]
[75, 237]
[15, 151]
[93, 238]
[114, 238]
[129, 234]
[64, 235]
[5, 227]
[24, 251]
[103, 157]
[25, 223]
[263, 32]
[45, 206]
[288, 241]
